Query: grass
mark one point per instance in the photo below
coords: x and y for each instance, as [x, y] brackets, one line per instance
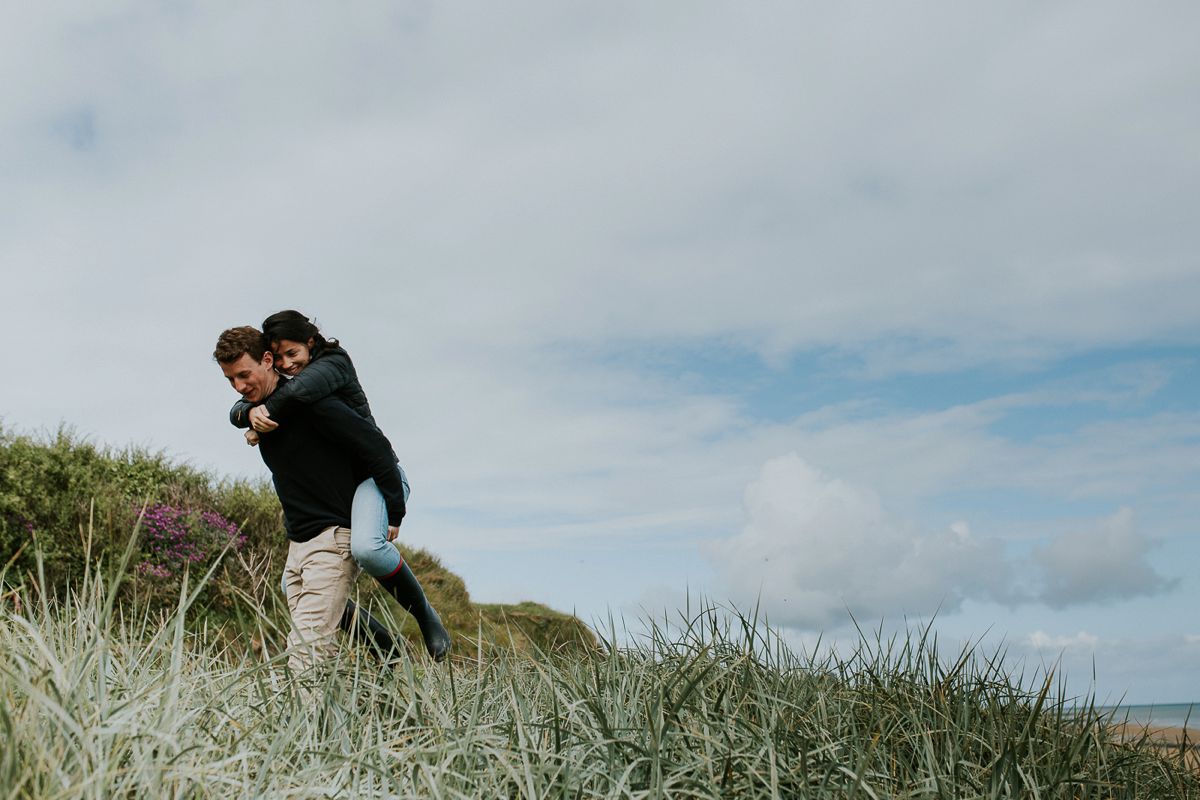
[103, 699]
[109, 690]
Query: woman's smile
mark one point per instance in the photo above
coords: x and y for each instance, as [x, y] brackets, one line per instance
[291, 357]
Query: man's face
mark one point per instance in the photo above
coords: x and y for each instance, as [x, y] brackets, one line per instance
[253, 380]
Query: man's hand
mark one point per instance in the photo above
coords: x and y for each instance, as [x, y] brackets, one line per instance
[252, 438]
[260, 420]
[393, 532]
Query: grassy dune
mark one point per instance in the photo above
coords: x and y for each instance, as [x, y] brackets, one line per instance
[116, 681]
[77, 502]
[99, 699]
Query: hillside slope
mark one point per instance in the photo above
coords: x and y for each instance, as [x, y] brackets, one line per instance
[67, 502]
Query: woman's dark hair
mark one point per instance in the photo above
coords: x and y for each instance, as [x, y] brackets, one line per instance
[298, 328]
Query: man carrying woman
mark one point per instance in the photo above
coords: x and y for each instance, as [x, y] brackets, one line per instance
[321, 454]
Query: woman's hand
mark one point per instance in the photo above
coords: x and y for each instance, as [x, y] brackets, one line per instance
[260, 420]
[252, 438]
[393, 532]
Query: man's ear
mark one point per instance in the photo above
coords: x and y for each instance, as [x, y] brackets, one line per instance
[268, 359]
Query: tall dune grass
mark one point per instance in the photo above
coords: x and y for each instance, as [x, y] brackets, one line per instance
[99, 700]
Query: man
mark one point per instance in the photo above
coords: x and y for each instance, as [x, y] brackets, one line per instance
[317, 461]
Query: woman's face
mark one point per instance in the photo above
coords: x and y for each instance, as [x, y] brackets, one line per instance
[291, 357]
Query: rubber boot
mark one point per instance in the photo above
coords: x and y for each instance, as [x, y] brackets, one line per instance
[405, 587]
[362, 627]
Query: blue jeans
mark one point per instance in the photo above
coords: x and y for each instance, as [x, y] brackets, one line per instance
[369, 545]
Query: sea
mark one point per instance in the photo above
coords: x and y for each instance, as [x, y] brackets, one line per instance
[1166, 715]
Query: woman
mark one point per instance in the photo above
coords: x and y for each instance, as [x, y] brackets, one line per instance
[317, 367]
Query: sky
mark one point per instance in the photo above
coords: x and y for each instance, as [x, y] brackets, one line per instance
[844, 312]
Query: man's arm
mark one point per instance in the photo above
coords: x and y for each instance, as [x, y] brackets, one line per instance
[367, 445]
[322, 377]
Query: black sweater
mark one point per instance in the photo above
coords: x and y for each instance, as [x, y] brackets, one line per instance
[318, 458]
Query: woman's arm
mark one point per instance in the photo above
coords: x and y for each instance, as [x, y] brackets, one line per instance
[239, 415]
[322, 377]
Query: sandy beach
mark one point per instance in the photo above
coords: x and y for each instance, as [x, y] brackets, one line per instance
[1169, 740]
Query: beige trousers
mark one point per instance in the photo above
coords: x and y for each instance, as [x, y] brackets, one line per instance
[318, 575]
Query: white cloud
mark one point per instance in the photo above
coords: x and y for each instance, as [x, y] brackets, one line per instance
[1105, 562]
[1082, 641]
[527, 175]
[911, 456]
[815, 547]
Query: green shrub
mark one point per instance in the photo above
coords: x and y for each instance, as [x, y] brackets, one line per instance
[79, 501]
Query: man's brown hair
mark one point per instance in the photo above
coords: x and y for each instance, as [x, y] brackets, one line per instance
[236, 341]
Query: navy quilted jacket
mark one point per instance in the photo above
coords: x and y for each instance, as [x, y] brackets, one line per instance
[332, 372]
